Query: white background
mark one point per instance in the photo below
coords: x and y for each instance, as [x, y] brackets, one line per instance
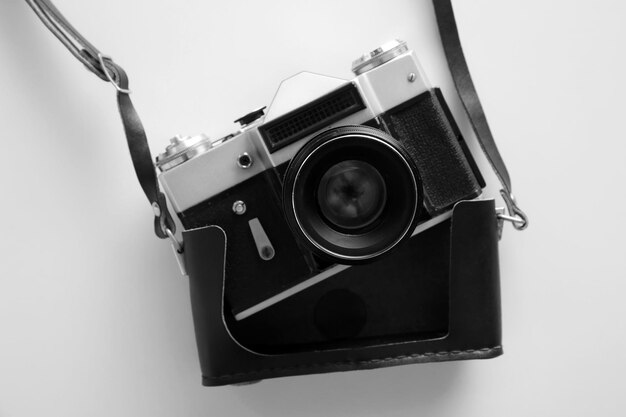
[94, 317]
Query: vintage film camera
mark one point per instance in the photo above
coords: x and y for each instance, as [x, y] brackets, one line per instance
[333, 212]
[343, 230]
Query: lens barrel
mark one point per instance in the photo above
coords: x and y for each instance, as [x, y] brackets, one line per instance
[351, 194]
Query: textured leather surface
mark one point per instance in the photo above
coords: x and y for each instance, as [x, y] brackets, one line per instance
[474, 321]
[427, 134]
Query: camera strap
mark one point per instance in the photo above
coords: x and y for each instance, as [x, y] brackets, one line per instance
[469, 97]
[106, 69]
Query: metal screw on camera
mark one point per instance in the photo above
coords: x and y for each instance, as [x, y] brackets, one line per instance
[411, 77]
[244, 160]
[239, 207]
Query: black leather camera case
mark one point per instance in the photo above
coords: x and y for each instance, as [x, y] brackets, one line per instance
[448, 309]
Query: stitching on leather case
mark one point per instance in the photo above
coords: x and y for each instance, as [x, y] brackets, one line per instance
[371, 361]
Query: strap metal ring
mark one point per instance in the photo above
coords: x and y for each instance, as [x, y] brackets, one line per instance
[515, 220]
[101, 58]
[516, 216]
[175, 243]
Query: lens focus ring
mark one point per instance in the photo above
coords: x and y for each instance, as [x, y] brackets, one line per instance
[351, 194]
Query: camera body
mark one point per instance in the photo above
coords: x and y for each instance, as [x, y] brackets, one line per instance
[338, 174]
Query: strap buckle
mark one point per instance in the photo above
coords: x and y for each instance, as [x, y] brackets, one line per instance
[515, 215]
[107, 73]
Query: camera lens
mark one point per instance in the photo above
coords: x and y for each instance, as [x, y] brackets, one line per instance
[352, 195]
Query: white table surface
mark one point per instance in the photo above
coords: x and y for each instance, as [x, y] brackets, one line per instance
[94, 317]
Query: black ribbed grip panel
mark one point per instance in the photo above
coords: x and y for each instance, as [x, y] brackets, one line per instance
[422, 127]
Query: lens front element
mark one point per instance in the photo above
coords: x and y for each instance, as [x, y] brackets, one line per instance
[352, 195]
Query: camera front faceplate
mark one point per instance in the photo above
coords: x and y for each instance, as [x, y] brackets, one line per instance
[236, 182]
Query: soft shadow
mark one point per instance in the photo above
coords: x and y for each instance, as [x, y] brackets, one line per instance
[422, 389]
